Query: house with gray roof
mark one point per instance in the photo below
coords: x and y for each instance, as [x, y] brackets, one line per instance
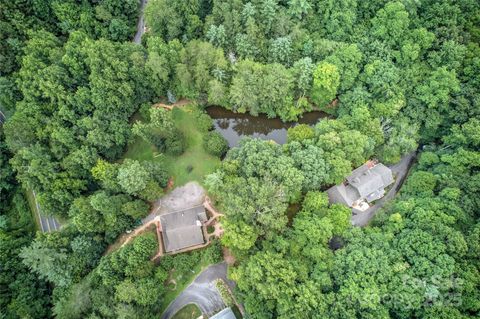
[226, 313]
[183, 228]
[366, 184]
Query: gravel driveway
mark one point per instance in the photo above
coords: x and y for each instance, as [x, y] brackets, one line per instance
[202, 292]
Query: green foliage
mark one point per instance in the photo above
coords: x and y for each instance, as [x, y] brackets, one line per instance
[141, 179]
[314, 202]
[132, 177]
[347, 59]
[224, 292]
[161, 131]
[300, 133]
[124, 281]
[91, 123]
[172, 19]
[215, 144]
[136, 209]
[23, 294]
[326, 80]
[420, 183]
[188, 312]
[398, 74]
[160, 64]
[258, 88]
[200, 63]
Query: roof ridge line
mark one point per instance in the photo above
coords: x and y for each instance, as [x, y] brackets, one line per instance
[181, 210]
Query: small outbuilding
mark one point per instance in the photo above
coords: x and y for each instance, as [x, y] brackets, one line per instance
[226, 313]
[366, 184]
[183, 228]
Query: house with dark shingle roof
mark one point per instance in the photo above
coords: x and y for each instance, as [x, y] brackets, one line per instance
[366, 184]
[183, 228]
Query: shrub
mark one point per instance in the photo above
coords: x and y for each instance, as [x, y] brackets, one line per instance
[175, 143]
[145, 111]
[157, 171]
[215, 144]
[428, 159]
[315, 202]
[136, 208]
[224, 292]
[420, 183]
[204, 121]
[151, 192]
[299, 133]
[213, 253]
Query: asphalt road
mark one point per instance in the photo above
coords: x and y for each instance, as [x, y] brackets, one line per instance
[141, 24]
[400, 171]
[202, 292]
[2, 117]
[47, 223]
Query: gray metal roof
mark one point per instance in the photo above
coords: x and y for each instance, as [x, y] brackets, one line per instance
[183, 228]
[364, 183]
[226, 313]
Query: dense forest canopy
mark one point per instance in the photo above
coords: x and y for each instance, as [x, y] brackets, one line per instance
[395, 77]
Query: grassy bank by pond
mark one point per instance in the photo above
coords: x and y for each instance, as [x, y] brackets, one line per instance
[194, 163]
[188, 312]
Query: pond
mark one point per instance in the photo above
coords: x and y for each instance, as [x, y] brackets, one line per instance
[235, 126]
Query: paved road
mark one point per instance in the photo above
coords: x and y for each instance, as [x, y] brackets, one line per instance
[3, 118]
[400, 170]
[47, 223]
[141, 24]
[202, 292]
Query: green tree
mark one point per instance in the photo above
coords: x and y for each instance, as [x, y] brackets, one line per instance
[47, 262]
[300, 133]
[326, 80]
[299, 8]
[215, 143]
[347, 60]
[132, 176]
[136, 209]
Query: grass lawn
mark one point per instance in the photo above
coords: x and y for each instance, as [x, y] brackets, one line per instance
[190, 311]
[193, 164]
[140, 150]
[194, 156]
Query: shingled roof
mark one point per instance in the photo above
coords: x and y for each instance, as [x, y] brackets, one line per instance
[366, 182]
[183, 229]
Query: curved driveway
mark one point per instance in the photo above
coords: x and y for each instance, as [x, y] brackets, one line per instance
[202, 292]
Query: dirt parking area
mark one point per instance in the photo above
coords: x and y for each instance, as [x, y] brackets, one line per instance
[189, 195]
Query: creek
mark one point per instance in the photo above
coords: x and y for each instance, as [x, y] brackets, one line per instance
[234, 126]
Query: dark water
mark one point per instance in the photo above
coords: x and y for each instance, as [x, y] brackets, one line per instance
[234, 126]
